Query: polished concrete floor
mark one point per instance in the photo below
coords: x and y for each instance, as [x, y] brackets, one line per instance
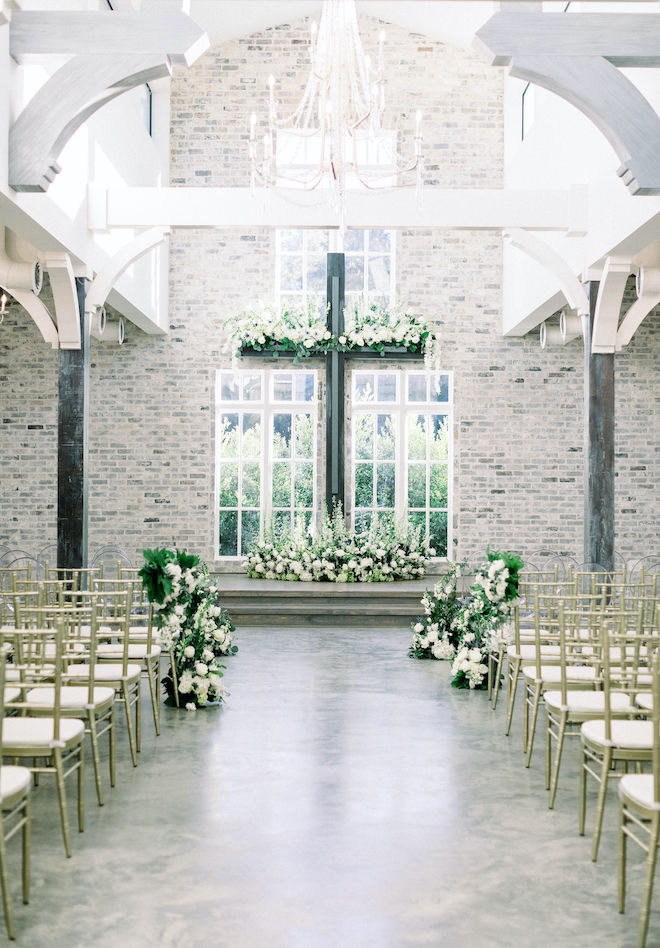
[344, 796]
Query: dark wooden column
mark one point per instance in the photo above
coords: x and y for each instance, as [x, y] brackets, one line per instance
[334, 442]
[72, 428]
[598, 449]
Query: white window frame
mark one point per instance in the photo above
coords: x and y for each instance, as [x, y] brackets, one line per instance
[267, 407]
[401, 409]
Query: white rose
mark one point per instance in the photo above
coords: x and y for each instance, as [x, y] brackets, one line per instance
[185, 683]
[342, 340]
[189, 651]
[201, 669]
[309, 343]
[419, 628]
[207, 655]
[191, 706]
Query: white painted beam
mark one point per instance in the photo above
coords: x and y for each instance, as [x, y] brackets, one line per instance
[470, 209]
[608, 304]
[63, 285]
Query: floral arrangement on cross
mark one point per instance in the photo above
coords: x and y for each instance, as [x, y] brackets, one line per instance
[194, 627]
[464, 629]
[304, 330]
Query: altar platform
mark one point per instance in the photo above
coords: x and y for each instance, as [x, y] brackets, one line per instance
[264, 602]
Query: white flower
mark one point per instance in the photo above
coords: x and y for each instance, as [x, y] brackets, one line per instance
[189, 651]
[207, 655]
[419, 628]
[201, 669]
[191, 706]
[185, 683]
[342, 340]
[309, 343]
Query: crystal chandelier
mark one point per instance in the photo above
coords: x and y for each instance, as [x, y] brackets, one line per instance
[335, 137]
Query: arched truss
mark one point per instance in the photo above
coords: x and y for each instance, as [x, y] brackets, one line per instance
[576, 56]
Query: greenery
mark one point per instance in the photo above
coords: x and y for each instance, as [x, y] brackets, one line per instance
[193, 625]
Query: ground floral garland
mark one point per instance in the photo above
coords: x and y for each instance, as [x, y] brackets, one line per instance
[193, 625]
[304, 331]
[463, 629]
[385, 553]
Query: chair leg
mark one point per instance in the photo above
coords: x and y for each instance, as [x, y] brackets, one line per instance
[532, 725]
[512, 687]
[6, 890]
[27, 829]
[648, 882]
[81, 787]
[112, 739]
[498, 673]
[129, 720]
[600, 806]
[138, 717]
[582, 802]
[96, 760]
[151, 672]
[61, 794]
[557, 761]
[175, 680]
[623, 844]
[548, 748]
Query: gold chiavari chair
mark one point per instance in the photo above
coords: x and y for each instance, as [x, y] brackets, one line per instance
[80, 697]
[15, 786]
[113, 601]
[56, 741]
[639, 814]
[610, 742]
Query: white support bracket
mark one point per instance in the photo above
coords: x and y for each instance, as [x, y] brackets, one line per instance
[65, 295]
[111, 53]
[539, 250]
[608, 304]
[36, 309]
[648, 297]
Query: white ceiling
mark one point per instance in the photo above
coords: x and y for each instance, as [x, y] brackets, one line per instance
[452, 21]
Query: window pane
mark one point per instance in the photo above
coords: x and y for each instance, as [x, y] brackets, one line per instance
[282, 484]
[229, 484]
[250, 529]
[304, 436]
[282, 435]
[438, 485]
[385, 485]
[438, 533]
[364, 387]
[362, 521]
[418, 519]
[353, 240]
[291, 239]
[317, 242]
[316, 274]
[251, 484]
[417, 485]
[385, 444]
[304, 485]
[304, 386]
[252, 388]
[439, 438]
[417, 437]
[379, 275]
[281, 522]
[364, 485]
[364, 436]
[354, 273]
[291, 273]
[229, 436]
[379, 241]
[282, 386]
[251, 435]
[417, 388]
[386, 387]
[228, 533]
[229, 386]
[440, 388]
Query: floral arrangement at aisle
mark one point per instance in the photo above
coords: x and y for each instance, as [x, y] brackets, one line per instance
[304, 330]
[383, 554]
[464, 629]
[194, 627]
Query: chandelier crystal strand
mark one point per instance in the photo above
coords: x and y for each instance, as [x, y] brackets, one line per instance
[335, 137]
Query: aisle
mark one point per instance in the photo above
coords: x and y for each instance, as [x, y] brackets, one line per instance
[346, 796]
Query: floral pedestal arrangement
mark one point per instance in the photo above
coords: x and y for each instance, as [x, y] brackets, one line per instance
[464, 629]
[194, 627]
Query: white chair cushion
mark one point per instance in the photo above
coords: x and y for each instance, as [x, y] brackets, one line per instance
[71, 696]
[588, 702]
[135, 650]
[528, 652]
[636, 735]
[14, 782]
[104, 672]
[644, 700]
[38, 732]
[11, 694]
[552, 673]
[638, 788]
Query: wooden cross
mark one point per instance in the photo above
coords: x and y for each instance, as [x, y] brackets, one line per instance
[335, 365]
